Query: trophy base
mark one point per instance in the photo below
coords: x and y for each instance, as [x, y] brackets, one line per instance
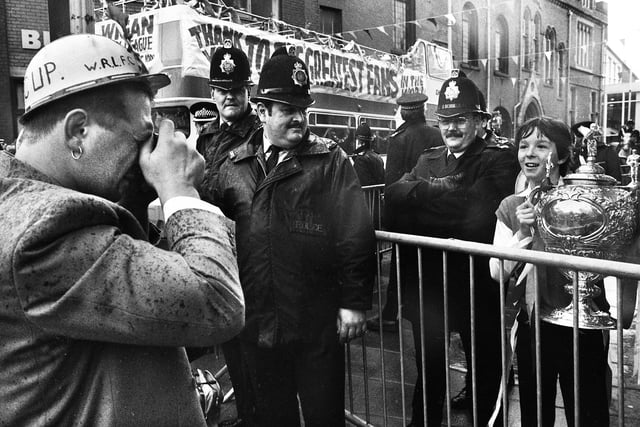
[589, 317]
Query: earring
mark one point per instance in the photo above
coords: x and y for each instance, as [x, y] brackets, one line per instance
[76, 154]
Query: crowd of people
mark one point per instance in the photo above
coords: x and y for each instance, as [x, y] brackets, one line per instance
[270, 249]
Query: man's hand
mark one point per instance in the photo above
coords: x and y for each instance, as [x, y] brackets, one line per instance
[171, 166]
[351, 324]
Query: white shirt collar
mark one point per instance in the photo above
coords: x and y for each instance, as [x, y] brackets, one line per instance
[457, 155]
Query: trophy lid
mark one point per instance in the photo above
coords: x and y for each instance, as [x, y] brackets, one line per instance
[591, 173]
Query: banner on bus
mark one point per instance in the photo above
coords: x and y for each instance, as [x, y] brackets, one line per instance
[179, 34]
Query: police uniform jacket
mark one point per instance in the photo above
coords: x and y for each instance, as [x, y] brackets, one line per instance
[369, 166]
[478, 181]
[93, 318]
[216, 141]
[406, 145]
[305, 238]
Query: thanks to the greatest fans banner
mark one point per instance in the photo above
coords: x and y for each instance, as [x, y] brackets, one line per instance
[179, 36]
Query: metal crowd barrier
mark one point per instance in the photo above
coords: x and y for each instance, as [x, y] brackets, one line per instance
[368, 352]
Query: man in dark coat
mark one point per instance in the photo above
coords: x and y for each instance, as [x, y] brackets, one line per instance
[306, 253]
[453, 192]
[230, 81]
[368, 164]
[406, 145]
[411, 138]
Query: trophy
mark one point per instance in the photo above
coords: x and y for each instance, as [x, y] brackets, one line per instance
[590, 216]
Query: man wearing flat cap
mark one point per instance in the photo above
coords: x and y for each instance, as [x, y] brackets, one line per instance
[453, 192]
[230, 81]
[406, 144]
[203, 113]
[306, 253]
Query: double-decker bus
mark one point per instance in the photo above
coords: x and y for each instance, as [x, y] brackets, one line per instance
[351, 83]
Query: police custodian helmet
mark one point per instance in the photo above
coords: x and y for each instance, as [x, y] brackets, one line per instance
[460, 95]
[229, 68]
[284, 78]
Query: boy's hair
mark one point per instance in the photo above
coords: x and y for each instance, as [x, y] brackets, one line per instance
[557, 132]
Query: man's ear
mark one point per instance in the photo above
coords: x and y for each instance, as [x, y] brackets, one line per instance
[262, 111]
[75, 128]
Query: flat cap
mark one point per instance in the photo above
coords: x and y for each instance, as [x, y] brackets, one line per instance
[412, 101]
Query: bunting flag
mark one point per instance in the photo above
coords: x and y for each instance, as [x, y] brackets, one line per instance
[368, 33]
[451, 20]
[381, 28]
[516, 59]
[513, 81]
[483, 62]
[433, 21]
[547, 55]
[349, 46]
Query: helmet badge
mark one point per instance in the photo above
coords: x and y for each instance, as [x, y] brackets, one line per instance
[227, 65]
[299, 76]
[452, 91]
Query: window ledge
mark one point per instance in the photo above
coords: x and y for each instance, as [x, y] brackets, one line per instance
[469, 66]
[499, 73]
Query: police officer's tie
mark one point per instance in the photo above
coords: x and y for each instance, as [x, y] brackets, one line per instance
[451, 159]
[272, 161]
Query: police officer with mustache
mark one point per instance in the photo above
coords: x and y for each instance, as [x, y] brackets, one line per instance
[453, 192]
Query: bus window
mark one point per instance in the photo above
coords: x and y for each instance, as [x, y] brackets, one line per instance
[381, 129]
[338, 127]
[439, 62]
[179, 115]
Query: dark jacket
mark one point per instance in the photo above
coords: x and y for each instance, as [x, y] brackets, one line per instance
[369, 166]
[305, 238]
[216, 141]
[406, 145]
[465, 209]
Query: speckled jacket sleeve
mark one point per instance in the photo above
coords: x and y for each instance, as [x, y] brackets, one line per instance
[82, 271]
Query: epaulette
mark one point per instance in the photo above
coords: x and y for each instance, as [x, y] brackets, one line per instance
[328, 142]
[494, 146]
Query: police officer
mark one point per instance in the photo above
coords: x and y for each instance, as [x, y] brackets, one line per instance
[368, 164]
[306, 252]
[453, 192]
[230, 81]
[203, 113]
[406, 144]
[411, 138]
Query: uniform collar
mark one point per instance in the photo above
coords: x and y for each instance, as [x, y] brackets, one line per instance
[312, 144]
[241, 127]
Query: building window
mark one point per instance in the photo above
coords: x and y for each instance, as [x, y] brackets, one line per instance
[470, 35]
[266, 8]
[572, 105]
[537, 32]
[526, 39]
[399, 30]
[502, 46]
[583, 52]
[404, 35]
[330, 20]
[594, 107]
[587, 4]
[549, 55]
[562, 70]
